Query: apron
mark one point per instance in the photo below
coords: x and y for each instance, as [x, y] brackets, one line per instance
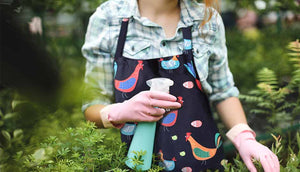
[186, 139]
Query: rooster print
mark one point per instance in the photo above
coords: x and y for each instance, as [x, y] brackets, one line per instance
[170, 64]
[129, 84]
[200, 152]
[168, 165]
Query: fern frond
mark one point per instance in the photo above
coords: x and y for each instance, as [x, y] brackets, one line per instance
[280, 95]
[295, 81]
[266, 88]
[286, 106]
[295, 46]
[260, 111]
[267, 77]
[294, 54]
[267, 104]
[261, 93]
[250, 99]
[283, 116]
[296, 61]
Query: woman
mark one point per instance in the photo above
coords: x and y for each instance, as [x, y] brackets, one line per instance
[181, 40]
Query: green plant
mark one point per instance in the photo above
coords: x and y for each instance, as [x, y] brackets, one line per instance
[278, 106]
[138, 158]
[246, 56]
[270, 101]
[82, 148]
[294, 54]
[11, 135]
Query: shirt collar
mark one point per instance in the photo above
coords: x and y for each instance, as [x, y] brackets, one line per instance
[190, 10]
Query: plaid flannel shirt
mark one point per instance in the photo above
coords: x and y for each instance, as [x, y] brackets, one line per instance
[147, 40]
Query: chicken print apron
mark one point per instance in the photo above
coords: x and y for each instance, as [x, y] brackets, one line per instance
[186, 139]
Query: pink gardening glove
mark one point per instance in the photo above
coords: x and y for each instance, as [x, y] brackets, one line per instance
[147, 106]
[249, 148]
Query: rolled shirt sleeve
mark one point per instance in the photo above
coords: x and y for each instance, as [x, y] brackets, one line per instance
[98, 80]
[220, 77]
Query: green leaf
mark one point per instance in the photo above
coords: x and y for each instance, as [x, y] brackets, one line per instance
[75, 155]
[15, 103]
[18, 134]
[6, 135]
[18, 155]
[9, 115]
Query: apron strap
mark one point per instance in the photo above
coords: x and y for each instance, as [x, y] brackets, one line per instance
[188, 47]
[187, 42]
[187, 34]
[122, 38]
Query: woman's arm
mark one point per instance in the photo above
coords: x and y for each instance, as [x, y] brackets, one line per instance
[92, 114]
[231, 112]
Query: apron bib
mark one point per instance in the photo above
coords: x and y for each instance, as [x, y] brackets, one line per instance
[186, 139]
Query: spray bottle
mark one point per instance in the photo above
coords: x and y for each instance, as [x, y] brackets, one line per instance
[143, 139]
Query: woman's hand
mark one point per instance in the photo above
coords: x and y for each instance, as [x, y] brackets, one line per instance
[148, 106]
[249, 148]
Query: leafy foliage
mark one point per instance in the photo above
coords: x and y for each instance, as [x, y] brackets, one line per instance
[247, 55]
[11, 137]
[278, 105]
[294, 48]
[79, 149]
[84, 148]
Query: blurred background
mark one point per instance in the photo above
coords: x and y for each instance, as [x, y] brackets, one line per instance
[41, 83]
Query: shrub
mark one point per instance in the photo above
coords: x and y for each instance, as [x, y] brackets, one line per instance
[79, 149]
[247, 55]
[82, 148]
[276, 106]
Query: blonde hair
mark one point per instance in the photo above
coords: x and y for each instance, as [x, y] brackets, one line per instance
[209, 6]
